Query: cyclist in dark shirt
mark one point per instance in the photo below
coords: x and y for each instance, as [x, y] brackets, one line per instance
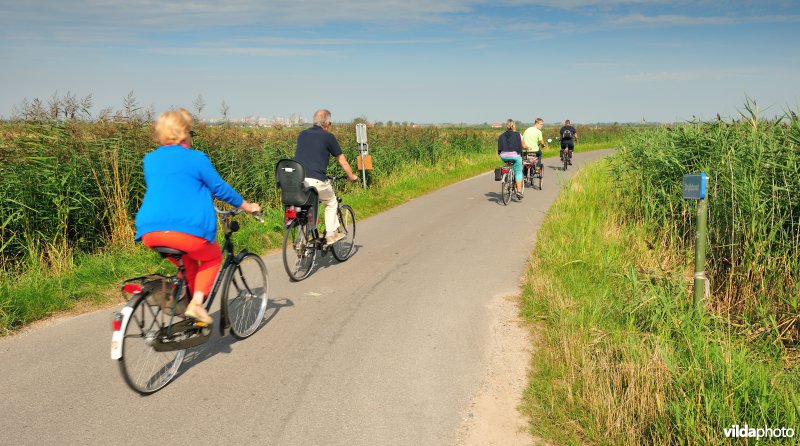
[315, 146]
[509, 147]
[568, 137]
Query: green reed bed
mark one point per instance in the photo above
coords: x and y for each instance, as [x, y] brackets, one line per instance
[754, 213]
[621, 358]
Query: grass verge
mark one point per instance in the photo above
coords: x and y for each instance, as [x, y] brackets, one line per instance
[622, 358]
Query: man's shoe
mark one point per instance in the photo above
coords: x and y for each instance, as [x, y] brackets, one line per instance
[519, 196]
[331, 239]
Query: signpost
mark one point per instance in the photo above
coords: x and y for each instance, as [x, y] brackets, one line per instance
[694, 188]
[364, 158]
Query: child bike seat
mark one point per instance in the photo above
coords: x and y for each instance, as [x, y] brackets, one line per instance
[289, 176]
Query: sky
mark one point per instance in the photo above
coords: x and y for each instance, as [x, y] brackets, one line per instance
[445, 61]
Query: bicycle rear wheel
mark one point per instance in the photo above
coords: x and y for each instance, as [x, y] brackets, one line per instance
[505, 187]
[245, 295]
[145, 369]
[565, 158]
[299, 252]
[343, 249]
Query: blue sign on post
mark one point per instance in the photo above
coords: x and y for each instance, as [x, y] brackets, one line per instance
[694, 186]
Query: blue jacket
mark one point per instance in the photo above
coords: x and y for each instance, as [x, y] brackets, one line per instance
[180, 185]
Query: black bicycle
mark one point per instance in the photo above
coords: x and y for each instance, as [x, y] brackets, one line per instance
[566, 155]
[151, 333]
[303, 237]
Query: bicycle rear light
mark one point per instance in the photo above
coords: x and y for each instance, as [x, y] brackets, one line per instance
[116, 324]
[132, 288]
[290, 214]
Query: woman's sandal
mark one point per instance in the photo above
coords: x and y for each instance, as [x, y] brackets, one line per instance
[192, 312]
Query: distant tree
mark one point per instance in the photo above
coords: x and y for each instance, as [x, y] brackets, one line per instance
[20, 111]
[199, 104]
[70, 106]
[54, 106]
[38, 111]
[223, 109]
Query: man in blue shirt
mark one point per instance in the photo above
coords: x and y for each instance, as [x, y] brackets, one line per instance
[315, 146]
[568, 137]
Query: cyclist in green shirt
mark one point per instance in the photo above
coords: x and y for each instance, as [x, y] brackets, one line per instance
[533, 138]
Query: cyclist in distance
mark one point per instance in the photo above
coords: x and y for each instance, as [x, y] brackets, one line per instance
[568, 137]
[509, 147]
[315, 146]
[178, 206]
[533, 138]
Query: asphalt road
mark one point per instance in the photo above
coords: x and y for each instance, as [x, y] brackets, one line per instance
[387, 348]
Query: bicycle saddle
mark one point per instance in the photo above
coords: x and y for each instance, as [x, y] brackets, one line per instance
[166, 251]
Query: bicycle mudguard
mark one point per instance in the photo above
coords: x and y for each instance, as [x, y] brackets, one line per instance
[124, 316]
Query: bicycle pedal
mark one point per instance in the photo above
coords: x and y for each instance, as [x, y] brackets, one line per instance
[200, 324]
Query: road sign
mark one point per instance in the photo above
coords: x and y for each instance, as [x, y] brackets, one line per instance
[361, 133]
[694, 186]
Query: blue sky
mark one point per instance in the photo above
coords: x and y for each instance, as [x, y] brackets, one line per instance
[466, 61]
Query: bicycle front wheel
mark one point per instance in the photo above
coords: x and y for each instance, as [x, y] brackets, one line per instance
[344, 248]
[505, 188]
[145, 369]
[246, 293]
[299, 251]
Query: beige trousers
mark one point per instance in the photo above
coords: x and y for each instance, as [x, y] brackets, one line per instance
[328, 198]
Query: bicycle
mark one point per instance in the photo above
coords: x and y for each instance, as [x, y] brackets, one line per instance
[566, 155]
[508, 184]
[302, 237]
[532, 169]
[151, 333]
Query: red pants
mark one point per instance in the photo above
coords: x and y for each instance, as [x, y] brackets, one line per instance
[202, 259]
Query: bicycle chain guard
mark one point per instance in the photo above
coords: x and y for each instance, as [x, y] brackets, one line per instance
[194, 336]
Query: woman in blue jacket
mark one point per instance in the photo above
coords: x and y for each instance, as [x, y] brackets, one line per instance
[178, 206]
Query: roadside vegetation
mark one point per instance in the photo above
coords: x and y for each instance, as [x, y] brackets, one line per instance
[69, 190]
[622, 358]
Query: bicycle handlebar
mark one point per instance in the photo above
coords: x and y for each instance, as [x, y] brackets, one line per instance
[236, 211]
